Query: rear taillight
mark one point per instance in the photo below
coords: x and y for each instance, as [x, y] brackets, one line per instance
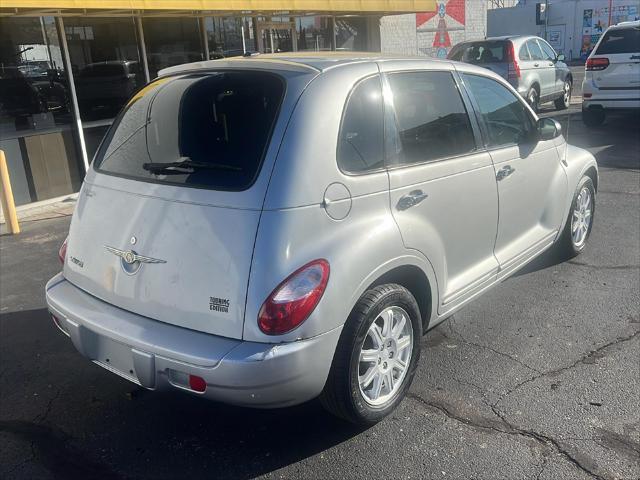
[514, 68]
[594, 64]
[62, 253]
[294, 299]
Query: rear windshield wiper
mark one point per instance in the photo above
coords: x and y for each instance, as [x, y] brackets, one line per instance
[186, 166]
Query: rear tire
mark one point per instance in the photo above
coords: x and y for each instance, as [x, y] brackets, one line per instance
[593, 118]
[577, 230]
[563, 102]
[359, 356]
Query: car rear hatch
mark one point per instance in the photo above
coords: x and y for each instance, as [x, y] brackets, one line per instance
[621, 47]
[493, 55]
[167, 218]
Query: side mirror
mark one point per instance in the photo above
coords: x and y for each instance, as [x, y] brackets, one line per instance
[548, 129]
[560, 58]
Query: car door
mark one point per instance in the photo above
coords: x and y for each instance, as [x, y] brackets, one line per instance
[551, 57]
[532, 184]
[442, 186]
[543, 69]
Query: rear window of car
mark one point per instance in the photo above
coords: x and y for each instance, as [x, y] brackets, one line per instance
[204, 130]
[481, 52]
[623, 40]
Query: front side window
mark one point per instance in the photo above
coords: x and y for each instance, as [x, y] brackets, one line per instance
[196, 130]
[625, 40]
[430, 117]
[549, 52]
[507, 119]
[361, 137]
[535, 50]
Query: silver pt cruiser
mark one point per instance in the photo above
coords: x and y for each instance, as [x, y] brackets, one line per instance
[267, 230]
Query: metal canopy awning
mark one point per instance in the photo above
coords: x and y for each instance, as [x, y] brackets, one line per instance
[211, 7]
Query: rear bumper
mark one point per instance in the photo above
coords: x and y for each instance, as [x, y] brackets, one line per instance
[160, 356]
[610, 99]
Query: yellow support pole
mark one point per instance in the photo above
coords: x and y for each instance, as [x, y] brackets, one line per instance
[6, 195]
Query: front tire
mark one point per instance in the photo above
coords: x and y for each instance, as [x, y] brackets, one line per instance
[533, 97]
[376, 357]
[580, 221]
[563, 102]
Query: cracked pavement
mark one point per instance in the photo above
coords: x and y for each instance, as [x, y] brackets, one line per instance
[537, 379]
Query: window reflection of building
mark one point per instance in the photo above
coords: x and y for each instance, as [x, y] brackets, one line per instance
[35, 111]
[108, 57]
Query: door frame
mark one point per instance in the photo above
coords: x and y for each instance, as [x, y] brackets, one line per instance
[262, 27]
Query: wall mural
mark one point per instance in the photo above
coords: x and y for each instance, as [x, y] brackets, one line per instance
[596, 20]
[448, 18]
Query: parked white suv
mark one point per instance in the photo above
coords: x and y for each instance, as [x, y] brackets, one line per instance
[612, 78]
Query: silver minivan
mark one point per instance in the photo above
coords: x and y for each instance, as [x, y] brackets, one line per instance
[528, 63]
[264, 231]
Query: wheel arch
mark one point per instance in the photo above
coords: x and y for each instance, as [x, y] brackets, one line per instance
[414, 279]
[592, 173]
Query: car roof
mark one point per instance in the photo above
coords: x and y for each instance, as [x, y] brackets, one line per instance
[630, 24]
[297, 61]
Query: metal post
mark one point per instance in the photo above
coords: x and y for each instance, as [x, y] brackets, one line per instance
[334, 43]
[244, 43]
[205, 39]
[6, 195]
[546, 18]
[143, 49]
[72, 89]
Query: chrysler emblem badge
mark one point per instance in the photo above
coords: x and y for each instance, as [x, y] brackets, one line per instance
[130, 260]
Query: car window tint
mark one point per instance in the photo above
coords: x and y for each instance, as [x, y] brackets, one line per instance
[508, 120]
[549, 52]
[523, 54]
[430, 118]
[361, 137]
[625, 40]
[219, 120]
[534, 50]
[481, 52]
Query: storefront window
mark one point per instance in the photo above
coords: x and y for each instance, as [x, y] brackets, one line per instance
[36, 131]
[314, 33]
[171, 41]
[351, 33]
[105, 62]
[224, 35]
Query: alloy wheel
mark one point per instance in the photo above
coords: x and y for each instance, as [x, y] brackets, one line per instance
[581, 218]
[385, 355]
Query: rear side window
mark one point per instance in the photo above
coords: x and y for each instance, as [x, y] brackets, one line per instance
[481, 52]
[430, 117]
[535, 51]
[206, 130]
[524, 53]
[507, 119]
[624, 40]
[361, 137]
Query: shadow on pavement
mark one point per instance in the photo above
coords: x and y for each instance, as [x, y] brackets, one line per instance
[91, 423]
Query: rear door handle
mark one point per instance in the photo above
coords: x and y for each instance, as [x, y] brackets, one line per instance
[504, 172]
[536, 64]
[411, 199]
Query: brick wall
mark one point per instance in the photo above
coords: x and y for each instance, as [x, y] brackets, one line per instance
[399, 34]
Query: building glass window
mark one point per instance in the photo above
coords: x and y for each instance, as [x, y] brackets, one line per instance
[171, 41]
[36, 131]
[224, 35]
[351, 33]
[314, 33]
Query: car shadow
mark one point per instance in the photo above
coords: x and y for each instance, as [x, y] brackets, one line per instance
[93, 424]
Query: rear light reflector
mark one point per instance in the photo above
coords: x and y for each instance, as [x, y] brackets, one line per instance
[294, 299]
[595, 64]
[587, 95]
[62, 252]
[197, 384]
[514, 68]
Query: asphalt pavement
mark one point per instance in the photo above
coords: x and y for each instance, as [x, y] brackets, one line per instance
[538, 379]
